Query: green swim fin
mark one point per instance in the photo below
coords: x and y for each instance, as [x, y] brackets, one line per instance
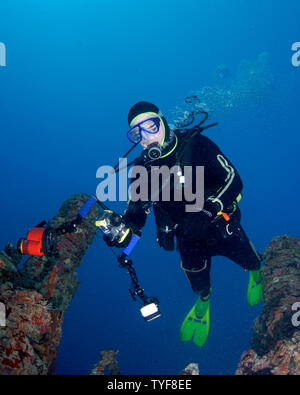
[196, 323]
[255, 290]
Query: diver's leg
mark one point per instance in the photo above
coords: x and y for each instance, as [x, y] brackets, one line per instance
[197, 271]
[199, 279]
[239, 249]
[196, 324]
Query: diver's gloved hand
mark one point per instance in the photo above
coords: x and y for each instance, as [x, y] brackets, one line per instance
[165, 238]
[165, 228]
[195, 225]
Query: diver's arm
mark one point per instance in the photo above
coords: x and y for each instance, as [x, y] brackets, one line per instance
[136, 212]
[228, 182]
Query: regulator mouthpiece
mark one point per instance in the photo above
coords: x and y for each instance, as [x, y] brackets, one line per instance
[153, 152]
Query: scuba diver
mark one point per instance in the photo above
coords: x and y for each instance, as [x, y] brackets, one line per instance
[213, 230]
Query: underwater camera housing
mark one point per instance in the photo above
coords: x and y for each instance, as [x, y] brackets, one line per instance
[150, 311]
[113, 226]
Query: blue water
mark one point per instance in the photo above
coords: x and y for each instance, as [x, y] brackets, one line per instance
[73, 70]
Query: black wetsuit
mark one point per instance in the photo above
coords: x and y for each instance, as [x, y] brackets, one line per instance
[222, 184]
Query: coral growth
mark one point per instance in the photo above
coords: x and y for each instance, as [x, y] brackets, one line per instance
[108, 360]
[37, 295]
[276, 340]
[191, 369]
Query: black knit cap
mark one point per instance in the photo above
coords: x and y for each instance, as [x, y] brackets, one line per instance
[142, 107]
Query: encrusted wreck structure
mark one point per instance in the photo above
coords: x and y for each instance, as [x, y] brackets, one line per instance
[275, 346]
[191, 369]
[37, 295]
[108, 364]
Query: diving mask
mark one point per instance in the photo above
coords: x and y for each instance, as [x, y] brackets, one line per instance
[142, 130]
